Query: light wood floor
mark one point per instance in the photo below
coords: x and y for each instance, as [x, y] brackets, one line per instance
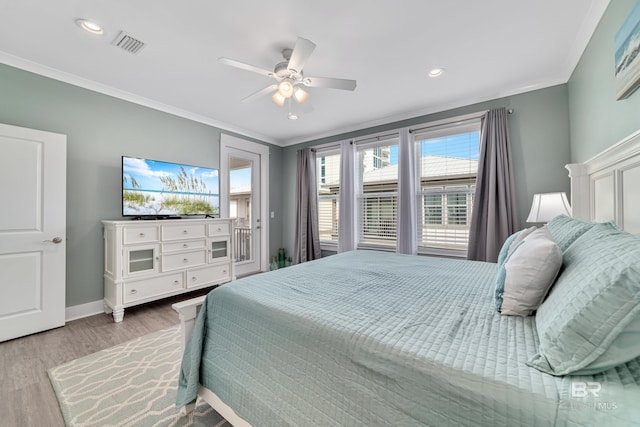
[26, 395]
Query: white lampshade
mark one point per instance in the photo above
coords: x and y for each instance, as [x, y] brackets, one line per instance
[285, 88]
[547, 206]
[300, 95]
[278, 99]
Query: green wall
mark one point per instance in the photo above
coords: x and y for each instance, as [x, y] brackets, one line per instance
[597, 119]
[539, 133]
[99, 130]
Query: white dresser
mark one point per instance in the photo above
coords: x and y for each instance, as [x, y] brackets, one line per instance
[148, 260]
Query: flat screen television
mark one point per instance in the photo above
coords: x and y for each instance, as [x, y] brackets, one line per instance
[155, 189]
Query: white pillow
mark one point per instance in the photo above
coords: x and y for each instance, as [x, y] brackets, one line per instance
[510, 244]
[529, 273]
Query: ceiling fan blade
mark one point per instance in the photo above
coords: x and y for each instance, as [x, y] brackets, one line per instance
[243, 66]
[261, 92]
[301, 52]
[329, 82]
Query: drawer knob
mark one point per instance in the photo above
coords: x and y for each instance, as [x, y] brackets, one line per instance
[141, 234]
[133, 291]
[157, 258]
[185, 246]
[185, 232]
[176, 282]
[186, 260]
[219, 229]
[194, 278]
[224, 271]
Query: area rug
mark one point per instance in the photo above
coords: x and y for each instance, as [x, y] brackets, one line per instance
[132, 384]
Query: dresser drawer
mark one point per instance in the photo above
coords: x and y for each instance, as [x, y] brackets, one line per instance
[202, 276]
[182, 260]
[149, 288]
[187, 245]
[221, 229]
[182, 231]
[141, 234]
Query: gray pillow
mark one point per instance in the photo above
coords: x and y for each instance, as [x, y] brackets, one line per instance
[588, 323]
[529, 272]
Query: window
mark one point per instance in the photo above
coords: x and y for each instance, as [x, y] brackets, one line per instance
[456, 209]
[433, 209]
[378, 198]
[447, 162]
[328, 167]
[448, 168]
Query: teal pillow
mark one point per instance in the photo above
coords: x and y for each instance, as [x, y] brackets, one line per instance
[501, 278]
[594, 305]
[565, 230]
[627, 343]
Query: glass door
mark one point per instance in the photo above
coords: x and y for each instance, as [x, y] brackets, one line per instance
[244, 206]
[244, 189]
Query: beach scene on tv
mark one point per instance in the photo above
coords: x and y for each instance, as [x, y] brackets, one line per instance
[154, 188]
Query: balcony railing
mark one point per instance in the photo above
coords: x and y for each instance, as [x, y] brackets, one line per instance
[243, 244]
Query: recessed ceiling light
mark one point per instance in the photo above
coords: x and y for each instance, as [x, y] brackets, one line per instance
[292, 116]
[436, 72]
[89, 26]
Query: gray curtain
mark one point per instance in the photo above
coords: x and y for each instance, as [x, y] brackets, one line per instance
[347, 200]
[407, 225]
[495, 214]
[307, 238]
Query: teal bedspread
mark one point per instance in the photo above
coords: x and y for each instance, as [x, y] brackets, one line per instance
[380, 339]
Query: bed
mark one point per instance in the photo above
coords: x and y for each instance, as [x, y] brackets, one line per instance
[371, 338]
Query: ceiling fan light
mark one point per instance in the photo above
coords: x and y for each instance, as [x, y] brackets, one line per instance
[278, 99]
[285, 88]
[89, 26]
[301, 95]
[292, 116]
[436, 72]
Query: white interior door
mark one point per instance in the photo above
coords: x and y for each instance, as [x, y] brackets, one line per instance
[32, 231]
[244, 195]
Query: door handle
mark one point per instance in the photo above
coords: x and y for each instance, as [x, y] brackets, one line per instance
[55, 240]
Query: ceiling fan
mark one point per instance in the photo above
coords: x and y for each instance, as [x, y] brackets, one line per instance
[289, 75]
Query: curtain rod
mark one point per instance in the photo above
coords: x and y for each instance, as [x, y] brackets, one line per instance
[377, 137]
[450, 121]
[326, 146]
[445, 122]
[331, 145]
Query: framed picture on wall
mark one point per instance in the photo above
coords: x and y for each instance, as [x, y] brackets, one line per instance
[627, 54]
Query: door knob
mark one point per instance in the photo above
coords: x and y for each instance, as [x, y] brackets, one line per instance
[55, 240]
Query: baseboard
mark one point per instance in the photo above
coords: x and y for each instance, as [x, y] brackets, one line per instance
[84, 310]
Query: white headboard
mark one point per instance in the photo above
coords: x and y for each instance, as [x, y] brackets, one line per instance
[607, 186]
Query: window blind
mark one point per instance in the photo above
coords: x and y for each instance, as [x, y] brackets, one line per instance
[378, 198]
[448, 170]
[328, 184]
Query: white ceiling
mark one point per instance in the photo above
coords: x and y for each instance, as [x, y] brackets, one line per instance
[490, 49]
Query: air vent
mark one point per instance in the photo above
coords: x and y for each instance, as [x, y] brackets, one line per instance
[126, 42]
